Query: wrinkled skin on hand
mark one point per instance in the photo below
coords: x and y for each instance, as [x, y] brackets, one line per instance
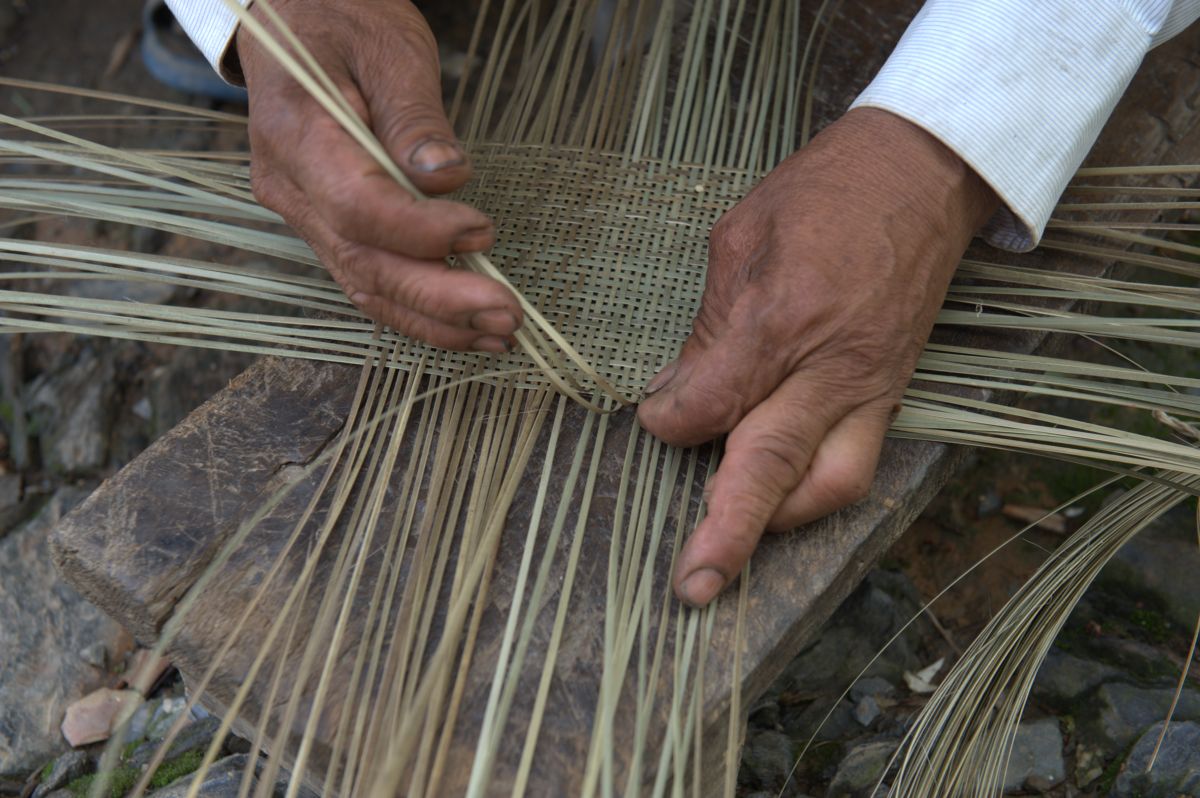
[383, 247]
[822, 288]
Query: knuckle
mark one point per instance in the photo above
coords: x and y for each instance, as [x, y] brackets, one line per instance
[731, 238]
[779, 457]
[707, 409]
[408, 117]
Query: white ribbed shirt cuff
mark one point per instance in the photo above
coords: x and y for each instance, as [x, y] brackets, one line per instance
[1018, 89]
[211, 27]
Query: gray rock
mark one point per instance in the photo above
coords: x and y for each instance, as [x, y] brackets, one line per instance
[764, 714]
[45, 624]
[865, 622]
[767, 759]
[873, 686]
[1164, 560]
[144, 291]
[135, 727]
[1065, 677]
[1119, 713]
[197, 735]
[166, 712]
[66, 769]
[1176, 771]
[95, 655]
[866, 711]
[1146, 663]
[861, 770]
[222, 780]
[10, 501]
[812, 722]
[189, 378]
[72, 408]
[1037, 756]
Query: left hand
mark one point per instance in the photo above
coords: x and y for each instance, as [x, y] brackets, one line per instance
[822, 288]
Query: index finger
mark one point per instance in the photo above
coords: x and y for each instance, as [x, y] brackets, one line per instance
[362, 203]
[766, 457]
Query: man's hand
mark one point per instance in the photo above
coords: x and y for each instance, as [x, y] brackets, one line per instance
[384, 248]
[823, 285]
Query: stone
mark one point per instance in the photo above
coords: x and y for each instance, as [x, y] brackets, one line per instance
[144, 669]
[71, 409]
[1176, 771]
[46, 623]
[765, 714]
[95, 655]
[866, 711]
[861, 770]
[142, 409]
[142, 291]
[1064, 677]
[1163, 559]
[195, 736]
[11, 506]
[66, 769]
[872, 686]
[1145, 663]
[864, 623]
[1037, 756]
[1119, 713]
[767, 760]
[98, 714]
[165, 714]
[223, 780]
[812, 721]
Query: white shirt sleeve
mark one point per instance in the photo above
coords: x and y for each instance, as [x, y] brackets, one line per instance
[211, 26]
[1020, 89]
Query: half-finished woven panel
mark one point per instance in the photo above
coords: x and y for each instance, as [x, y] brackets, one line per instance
[612, 252]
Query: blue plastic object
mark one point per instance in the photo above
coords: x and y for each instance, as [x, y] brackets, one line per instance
[189, 73]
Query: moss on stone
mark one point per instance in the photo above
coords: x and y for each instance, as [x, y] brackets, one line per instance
[122, 781]
[129, 748]
[124, 778]
[1108, 778]
[177, 768]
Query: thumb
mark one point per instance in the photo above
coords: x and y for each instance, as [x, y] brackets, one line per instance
[406, 113]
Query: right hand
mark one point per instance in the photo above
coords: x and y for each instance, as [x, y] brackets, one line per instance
[383, 247]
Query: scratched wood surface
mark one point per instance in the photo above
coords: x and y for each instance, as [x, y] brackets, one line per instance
[142, 539]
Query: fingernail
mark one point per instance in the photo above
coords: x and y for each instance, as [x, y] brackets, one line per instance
[663, 377]
[472, 240]
[702, 587]
[490, 343]
[358, 297]
[496, 322]
[435, 154]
